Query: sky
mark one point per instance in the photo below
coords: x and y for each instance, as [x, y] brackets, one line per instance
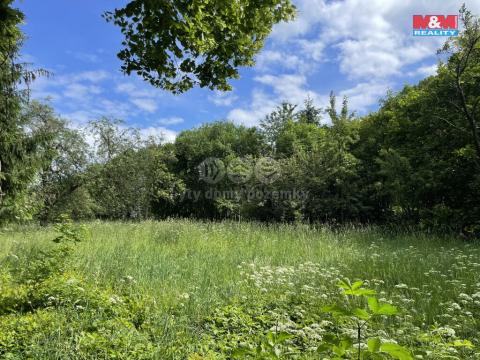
[355, 48]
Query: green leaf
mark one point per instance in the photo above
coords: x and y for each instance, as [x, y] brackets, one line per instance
[387, 309]
[384, 309]
[361, 314]
[360, 292]
[357, 285]
[330, 339]
[270, 338]
[211, 38]
[345, 284]
[282, 337]
[340, 351]
[335, 310]
[324, 347]
[277, 351]
[396, 351]
[241, 352]
[463, 343]
[346, 343]
[373, 304]
[374, 345]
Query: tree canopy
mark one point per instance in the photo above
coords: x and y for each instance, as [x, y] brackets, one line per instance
[21, 151]
[414, 161]
[177, 44]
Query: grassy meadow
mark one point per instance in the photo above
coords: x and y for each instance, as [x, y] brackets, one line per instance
[208, 289]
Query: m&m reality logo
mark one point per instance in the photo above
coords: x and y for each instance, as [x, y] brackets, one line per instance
[435, 25]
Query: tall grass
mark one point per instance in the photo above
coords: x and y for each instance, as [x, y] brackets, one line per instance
[190, 268]
[170, 258]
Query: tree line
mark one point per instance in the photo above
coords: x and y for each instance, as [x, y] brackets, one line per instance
[416, 160]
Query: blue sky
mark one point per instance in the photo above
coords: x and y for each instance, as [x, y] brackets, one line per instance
[358, 48]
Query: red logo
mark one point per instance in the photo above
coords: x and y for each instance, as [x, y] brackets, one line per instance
[435, 22]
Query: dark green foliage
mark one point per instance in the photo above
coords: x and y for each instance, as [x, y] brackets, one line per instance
[415, 161]
[317, 160]
[176, 45]
[222, 140]
[21, 153]
[112, 138]
[419, 166]
[136, 184]
[274, 123]
[461, 75]
[60, 184]
[310, 114]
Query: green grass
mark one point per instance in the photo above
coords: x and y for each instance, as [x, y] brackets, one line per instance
[169, 259]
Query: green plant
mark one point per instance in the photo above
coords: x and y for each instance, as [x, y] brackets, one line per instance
[41, 299]
[361, 307]
[221, 286]
[69, 232]
[272, 346]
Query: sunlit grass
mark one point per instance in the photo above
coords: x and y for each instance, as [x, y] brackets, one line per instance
[197, 264]
[173, 257]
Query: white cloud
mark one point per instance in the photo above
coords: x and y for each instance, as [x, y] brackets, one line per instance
[291, 88]
[221, 98]
[28, 58]
[85, 57]
[364, 95]
[90, 76]
[268, 59]
[308, 14]
[81, 92]
[147, 105]
[103, 107]
[163, 133]
[424, 71]
[368, 42]
[79, 117]
[374, 61]
[114, 108]
[373, 38]
[75, 85]
[134, 89]
[84, 96]
[260, 105]
[81, 97]
[126, 87]
[174, 120]
[313, 49]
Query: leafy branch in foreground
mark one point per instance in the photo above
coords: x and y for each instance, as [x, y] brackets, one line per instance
[176, 45]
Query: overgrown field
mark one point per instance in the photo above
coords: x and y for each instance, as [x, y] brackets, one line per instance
[190, 290]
